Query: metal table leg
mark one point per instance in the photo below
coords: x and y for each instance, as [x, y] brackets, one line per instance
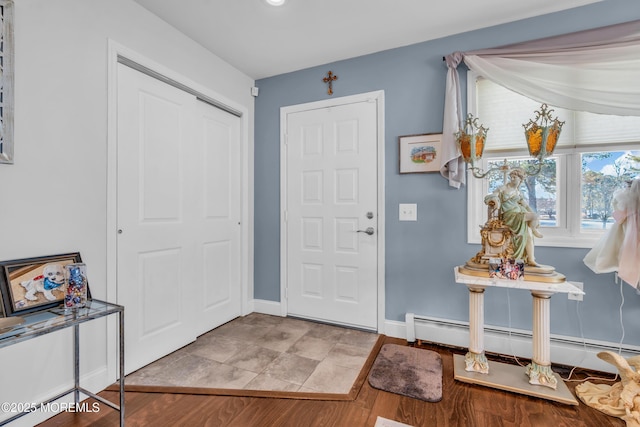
[121, 360]
[76, 364]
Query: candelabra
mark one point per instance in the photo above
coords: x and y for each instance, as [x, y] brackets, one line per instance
[541, 135]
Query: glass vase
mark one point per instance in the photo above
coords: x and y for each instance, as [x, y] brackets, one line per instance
[76, 293]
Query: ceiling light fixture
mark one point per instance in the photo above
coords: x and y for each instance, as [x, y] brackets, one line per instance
[275, 2]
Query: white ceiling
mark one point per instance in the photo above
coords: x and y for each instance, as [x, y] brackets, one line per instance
[264, 41]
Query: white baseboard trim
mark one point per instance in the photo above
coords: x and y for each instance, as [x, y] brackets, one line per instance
[567, 351]
[267, 307]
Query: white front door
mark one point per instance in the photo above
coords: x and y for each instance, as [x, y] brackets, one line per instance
[178, 209]
[331, 213]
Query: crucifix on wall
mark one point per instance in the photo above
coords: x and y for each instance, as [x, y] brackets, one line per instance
[329, 80]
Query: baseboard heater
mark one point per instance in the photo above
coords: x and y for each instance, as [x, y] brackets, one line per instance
[565, 350]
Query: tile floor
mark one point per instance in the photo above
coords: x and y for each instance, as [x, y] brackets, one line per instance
[262, 352]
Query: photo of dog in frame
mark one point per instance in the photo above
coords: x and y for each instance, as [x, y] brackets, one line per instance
[34, 284]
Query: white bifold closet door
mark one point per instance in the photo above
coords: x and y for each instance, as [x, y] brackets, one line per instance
[179, 208]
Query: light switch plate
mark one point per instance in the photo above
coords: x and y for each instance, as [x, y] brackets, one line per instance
[408, 212]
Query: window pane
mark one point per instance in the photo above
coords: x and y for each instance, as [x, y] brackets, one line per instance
[603, 173]
[573, 202]
[539, 190]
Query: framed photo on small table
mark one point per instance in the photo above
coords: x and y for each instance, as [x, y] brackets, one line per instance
[34, 284]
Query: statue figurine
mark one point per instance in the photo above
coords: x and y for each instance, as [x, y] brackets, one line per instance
[621, 399]
[508, 235]
[517, 215]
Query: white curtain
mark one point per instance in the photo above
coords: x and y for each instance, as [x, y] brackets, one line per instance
[451, 163]
[595, 70]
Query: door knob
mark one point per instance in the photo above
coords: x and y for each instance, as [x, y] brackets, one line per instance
[369, 231]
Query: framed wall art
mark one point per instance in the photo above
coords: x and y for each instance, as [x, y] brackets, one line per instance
[33, 284]
[420, 153]
[6, 81]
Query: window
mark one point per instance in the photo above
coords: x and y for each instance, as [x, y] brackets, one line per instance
[596, 156]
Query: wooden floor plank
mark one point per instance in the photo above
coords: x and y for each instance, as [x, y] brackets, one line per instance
[462, 405]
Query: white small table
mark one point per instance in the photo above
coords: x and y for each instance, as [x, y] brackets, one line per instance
[539, 370]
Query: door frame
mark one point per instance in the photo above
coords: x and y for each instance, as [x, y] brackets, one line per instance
[378, 98]
[115, 53]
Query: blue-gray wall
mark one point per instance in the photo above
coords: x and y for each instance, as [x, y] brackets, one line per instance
[420, 256]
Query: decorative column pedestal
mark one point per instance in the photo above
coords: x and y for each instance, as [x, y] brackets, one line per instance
[474, 368]
[539, 370]
[475, 360]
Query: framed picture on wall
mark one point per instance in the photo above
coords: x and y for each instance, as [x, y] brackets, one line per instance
[420, 153]
[6, 81]
[33, 284]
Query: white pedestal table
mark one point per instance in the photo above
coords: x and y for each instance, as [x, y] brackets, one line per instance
[474, 367]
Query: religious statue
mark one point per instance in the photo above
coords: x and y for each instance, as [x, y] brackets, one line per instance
[515, 213]
[621, 399]
[509, 233]
[619, 249]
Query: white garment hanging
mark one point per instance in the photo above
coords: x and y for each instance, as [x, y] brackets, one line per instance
[619, 249]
